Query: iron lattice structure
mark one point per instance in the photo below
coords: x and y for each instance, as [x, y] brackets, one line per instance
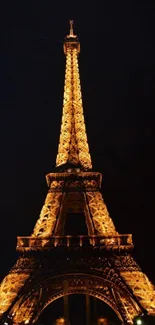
[52, 264]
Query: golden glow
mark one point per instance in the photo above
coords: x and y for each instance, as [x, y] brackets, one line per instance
[60, 321]
[116, 243]
[100, 216]
[119, 280]
[9, 289]
[73, 146]
[23, 311]
[101, 220]
[45, 224]
[142, 288]
[102, 321]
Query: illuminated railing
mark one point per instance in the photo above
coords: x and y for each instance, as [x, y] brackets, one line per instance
[36, 243]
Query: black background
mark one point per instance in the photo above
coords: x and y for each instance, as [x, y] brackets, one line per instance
[117, 67]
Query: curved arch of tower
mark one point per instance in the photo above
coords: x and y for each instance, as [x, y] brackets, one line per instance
[53, 262]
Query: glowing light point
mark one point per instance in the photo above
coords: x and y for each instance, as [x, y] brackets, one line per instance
[60, 321]
[139, 322]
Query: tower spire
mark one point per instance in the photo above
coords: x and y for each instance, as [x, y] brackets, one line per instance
[73, 147]
[71, 33]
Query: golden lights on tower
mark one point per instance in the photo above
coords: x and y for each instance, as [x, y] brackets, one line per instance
[76, 189]
[73, 145]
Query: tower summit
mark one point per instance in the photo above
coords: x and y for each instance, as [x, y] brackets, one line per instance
[56, 260]
[73, 150]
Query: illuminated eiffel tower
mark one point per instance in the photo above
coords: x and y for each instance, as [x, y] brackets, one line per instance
[55, 263]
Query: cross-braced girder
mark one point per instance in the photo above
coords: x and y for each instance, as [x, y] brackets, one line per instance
[45, 290]
[73, 145]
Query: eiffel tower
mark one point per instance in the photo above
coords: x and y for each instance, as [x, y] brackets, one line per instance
[55, 263]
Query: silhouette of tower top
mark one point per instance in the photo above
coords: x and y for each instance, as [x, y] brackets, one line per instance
[73, 147]
[71, 32]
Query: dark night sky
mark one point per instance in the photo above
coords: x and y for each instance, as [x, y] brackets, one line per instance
[117, 66]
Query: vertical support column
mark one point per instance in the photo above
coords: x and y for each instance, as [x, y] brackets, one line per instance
[95, 310]
[65, 288]
[87, 306]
